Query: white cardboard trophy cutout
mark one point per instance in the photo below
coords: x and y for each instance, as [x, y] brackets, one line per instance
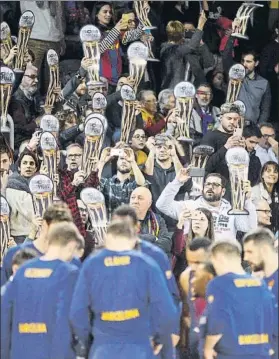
[128, 112]
[41, 188]
[95, 202]
[26, 23]
[50, 123]
[137, 54]
[237, 74]
[54, 82]
[7, 78]
[237, 159]
[184, 93]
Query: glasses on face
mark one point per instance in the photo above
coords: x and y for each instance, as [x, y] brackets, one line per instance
[267, 136]
[33, 77]
[139, 137]
[204, 93]
[212, 184]
[265, 211]
[74, 155]
[151, 101]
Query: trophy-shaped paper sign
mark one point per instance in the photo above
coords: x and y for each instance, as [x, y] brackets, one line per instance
[94, 130]
[197, 172]
[236, 75]
[26, 23]
[237, 159]
[242, 110]
[90, 36]
[137, 54]
[6, 39]
[142, 9]
[54, 83]
[184, 93]
[128, 112]
[4, 226]
[50, 123]
[7, 78]
[99, 102]
[95, 202]
[41, 188]
[242, 17]
[49, 148]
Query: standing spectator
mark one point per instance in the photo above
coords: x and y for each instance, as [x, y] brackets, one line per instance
[267, 150]
[252, 136]
[211, 199]
[138, 143]
[175, 54]
[47, 32]
[152, 226]
[268, 189]
[24, 106]
[117, 189]
[204, 115]
[19, 197]
[166, 101]
[111, 62]
[217, 81]
[6, 160]
[255, 90]
[153, 121]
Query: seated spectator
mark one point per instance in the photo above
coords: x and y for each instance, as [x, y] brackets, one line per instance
[138, 143]
[216, 80]
[153, 121]
[161, 167]
[24, 106]
[255, 90]
[118, 188]
[19, 197]
[267, 150]
[252, 136]
[263, 212]
[204, 115]
[268, 189]
[152, 226]
[211, 199]
[176, 53]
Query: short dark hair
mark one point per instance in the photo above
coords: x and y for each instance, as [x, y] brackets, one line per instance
[120, 229]
[227, 247]
[63, 233]
[253, 53]
[266, 124]
[26, 152]
[126, 211]
[260, 236]
[199, 243]
[223, 179]
[252, 130]
[205, 84]
[23, 255]
[58, 212]
[5, 148]
[208, 267]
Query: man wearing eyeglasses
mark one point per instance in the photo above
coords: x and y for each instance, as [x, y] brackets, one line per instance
[263, 212]
[267, 150]
[24, 107]
[211, 199]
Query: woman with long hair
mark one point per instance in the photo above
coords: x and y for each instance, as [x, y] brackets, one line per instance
[111, 36]
[268, 189]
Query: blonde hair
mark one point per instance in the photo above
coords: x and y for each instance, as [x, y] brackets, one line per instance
[175, 31]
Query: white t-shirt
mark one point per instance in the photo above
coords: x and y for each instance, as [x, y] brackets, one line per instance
[45, 27]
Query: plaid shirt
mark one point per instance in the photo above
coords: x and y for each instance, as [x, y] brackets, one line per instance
[68, 193]
[116, 192]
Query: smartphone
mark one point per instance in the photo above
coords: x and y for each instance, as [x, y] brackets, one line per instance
[238, 132]
[117, 152]
[196, 172]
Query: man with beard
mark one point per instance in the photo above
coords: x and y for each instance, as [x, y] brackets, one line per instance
[161, 167]
[260, 253]
[255, 90]
[73, 180]
[118, 188]
[204, 114]
[24, 106]
[211, 199]
[6, 159]
[240, 309]
[223, 139]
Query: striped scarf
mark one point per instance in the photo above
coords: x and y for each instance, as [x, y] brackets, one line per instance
[152, 223]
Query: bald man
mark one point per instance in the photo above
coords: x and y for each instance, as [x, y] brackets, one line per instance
[152, 226]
